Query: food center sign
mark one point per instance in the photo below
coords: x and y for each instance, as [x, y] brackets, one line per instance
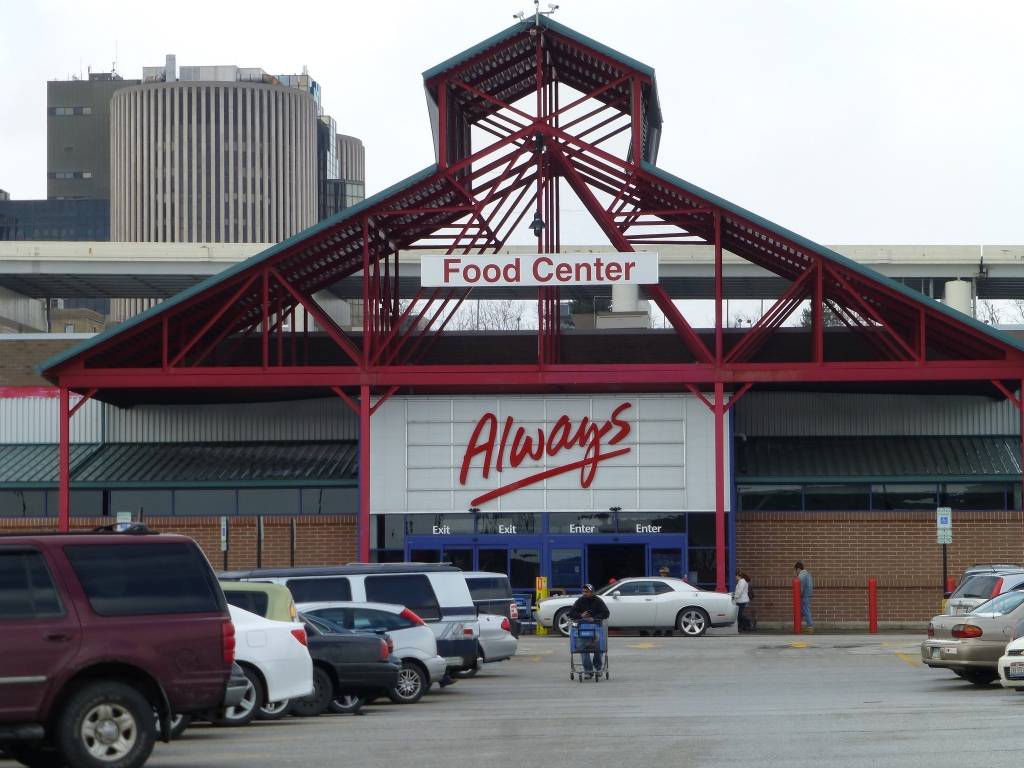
[541, 269]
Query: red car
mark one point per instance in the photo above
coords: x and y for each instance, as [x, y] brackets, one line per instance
[100, 630]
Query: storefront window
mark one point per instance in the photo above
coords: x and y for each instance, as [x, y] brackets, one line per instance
[770, 498]
[213, 501]
[524, 568]
[703, 566]
[899, 496]
[668, 558]
[268, 501]
[976, 496]
[460, 558]
[86, 503]
[22, 503]
[387, 531]
[836, 497]
[438, 525]
[493, 560]
[425, 556]
[509, 524]
[651, 523]
[149, 503]
[566, 568]
[702, 530]
[571, 522]
[330, 501]
[387, 556]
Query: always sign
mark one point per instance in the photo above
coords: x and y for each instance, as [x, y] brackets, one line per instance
[518, 445]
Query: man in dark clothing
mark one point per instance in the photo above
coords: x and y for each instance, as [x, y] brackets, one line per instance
[590, 608]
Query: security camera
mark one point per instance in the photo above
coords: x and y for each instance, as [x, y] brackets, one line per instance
[553, 7]
[519, 15]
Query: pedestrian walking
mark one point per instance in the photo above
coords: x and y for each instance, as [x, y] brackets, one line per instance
[740, 598]
[806, 593]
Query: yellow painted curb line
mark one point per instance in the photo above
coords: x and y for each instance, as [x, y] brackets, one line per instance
[907, 659]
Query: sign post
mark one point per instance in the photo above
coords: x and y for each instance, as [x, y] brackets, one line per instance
[224, 540]
[542, 594]
[944, 533]
[124, 519]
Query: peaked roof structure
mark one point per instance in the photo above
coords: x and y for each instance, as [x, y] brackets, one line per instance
[532, 113]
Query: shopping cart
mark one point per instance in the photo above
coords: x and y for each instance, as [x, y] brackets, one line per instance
[587, 637]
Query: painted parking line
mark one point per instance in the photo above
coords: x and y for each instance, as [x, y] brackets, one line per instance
[646, 645]
[907, 659]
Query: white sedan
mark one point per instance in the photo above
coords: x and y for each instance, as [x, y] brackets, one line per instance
[649, 603]
[1011, 665]
[275, 659]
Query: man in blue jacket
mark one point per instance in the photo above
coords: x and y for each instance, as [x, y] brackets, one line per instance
[806, 593]
[590, 608]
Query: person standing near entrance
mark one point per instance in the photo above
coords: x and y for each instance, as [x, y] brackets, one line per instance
[806, 593]
[590, 608]
[740, 598]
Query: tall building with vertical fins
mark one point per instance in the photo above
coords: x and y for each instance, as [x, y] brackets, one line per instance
[219, 154]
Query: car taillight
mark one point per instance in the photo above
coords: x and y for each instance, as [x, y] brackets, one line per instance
[961, 631]
[931, 629]
[467, 631]
[391, 645]
[406, 613]
[227, 636]
[384, 654]
[300, 635]
[997, 588]
[513, 611]
[506, 625]
[292, 612]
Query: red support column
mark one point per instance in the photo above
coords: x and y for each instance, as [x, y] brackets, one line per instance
[720, 485]
[64, 521]
[718, 288]
[364, 474]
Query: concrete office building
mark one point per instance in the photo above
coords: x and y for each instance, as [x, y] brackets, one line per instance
[78, 136]
[223, 155]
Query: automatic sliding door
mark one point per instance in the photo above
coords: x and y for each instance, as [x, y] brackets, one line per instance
[492, 559]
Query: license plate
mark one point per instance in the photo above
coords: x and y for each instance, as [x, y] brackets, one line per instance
[960, 610]
[936, 653]
[1016, 671]
[950, 651]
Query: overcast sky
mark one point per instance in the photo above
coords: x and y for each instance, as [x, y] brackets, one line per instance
[851, 123]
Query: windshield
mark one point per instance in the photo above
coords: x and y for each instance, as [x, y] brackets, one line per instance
[1002, 605]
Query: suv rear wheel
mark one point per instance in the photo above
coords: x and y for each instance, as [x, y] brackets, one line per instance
[106, 725]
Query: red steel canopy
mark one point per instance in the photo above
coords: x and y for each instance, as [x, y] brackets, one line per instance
[532, 114]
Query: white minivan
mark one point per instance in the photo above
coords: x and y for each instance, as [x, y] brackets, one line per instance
[438, 594]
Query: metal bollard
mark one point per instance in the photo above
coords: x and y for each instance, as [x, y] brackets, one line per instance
[873, 606]
[797, 614]
[951, 584]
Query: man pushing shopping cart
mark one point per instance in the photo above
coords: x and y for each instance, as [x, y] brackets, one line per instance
[587, 636]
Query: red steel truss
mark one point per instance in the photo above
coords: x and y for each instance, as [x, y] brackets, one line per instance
[533, 114]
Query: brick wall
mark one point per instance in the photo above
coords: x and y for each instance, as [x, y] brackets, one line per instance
[319, 540]
[842, 550]
[18, 358]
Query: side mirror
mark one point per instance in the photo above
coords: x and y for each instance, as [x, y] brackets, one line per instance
[615, 594]
[947, 595]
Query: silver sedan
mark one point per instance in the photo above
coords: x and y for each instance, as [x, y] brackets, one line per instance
[649, 603]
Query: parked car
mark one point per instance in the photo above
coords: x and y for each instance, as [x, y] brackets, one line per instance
[649, 603]
[273, 656]
[971, 645]
[982, 587]
[349, 667]
[436, 593]
[492, 593]
[1011, 663]
[982, 568]
[92, 623]
[271, 601]
[496, 640]
[414, 643]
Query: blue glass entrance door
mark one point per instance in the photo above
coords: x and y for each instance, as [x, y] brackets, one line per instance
[519, 557]
[598, 559]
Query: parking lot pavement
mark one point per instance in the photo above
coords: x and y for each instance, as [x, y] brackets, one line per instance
[748, 700]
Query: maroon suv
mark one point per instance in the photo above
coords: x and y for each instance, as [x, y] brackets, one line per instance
[98, 631]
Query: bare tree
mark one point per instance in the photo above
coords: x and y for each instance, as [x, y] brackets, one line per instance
[990, 313]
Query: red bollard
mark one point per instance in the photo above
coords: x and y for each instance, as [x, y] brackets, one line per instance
[873, 606]
[950, 584]
[797, 613]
